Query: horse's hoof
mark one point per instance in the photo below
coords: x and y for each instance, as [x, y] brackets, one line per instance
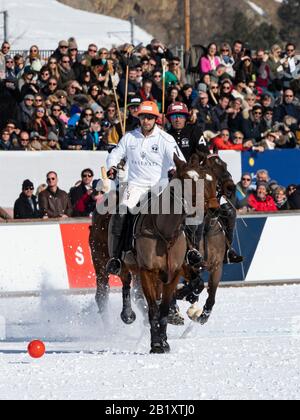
[128, 319]
[203, 319]
[157, 349]
[175, 318]
[166, 346]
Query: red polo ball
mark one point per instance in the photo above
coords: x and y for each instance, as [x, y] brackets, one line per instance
[36, 349]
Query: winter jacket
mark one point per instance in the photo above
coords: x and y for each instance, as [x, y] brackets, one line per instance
[24, 210]
[190, 139]
[242, 196]
[206, 65]
[294, 199]
[82, 202]
[286, 109]
[220, 144]
[25, 115]
[262, 206]
[54, 205]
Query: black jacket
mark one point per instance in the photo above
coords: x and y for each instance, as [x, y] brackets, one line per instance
[76, 194]
[23, 209]
[189, 140]
[294, 199]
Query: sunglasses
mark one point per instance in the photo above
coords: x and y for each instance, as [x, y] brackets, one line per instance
[87, 176]
[94, 51]
[225, 50]
[88, 114]
[147, 117]
[257, 113]
[288, 96]
[66, 61]
[56, 110]
[157, 76]
[52, 62]
[51, 179]
[29, 189]
[52, 84]
[246, 179]
[290, 50]
[38, 100]
[73, 49]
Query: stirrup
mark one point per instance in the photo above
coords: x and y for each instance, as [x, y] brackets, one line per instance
[114, 267]
[233, 258]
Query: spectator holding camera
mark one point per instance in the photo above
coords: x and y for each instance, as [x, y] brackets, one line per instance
[26, 206]
[54, 203]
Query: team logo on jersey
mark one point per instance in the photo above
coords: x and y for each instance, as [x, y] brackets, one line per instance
[155, 148]
[185, 142]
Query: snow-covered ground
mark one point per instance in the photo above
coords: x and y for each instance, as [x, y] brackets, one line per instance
[45, 22]
[249, 349]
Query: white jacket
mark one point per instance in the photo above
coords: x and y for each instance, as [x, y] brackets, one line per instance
[149, 159]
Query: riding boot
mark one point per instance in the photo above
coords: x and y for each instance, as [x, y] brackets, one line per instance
[194, 235]
[229, 222]
[114, 265]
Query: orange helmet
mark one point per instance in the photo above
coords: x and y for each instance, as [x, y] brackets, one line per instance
[150, 108]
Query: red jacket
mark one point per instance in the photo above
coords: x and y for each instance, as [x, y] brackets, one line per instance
[220, 144]
[262, 206]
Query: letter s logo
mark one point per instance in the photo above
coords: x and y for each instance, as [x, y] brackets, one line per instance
[79, 256]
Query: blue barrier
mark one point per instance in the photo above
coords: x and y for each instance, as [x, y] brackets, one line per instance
[283, 165]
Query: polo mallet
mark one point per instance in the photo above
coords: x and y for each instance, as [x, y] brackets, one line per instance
[164, 67]
[111, 72]
[126, 99]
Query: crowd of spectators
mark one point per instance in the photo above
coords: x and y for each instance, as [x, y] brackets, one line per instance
[262, 194]
[247, 99]
[239, 99]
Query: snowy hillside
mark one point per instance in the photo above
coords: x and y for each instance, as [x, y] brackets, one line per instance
[45, 22]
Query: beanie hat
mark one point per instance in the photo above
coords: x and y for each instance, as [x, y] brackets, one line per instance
[52, 136]
[27, 184]
[96, 108]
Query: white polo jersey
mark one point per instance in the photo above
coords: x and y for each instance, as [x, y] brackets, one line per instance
[149, 159]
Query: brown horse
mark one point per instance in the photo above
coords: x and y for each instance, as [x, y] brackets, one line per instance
[160, 254]
[213, 243]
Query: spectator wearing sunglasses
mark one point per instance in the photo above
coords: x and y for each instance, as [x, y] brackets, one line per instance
[61, 50]
[26, 111]
[82, 197]
[54, 203]
[288, 107]
[26, 206]
[243, 191]
[65, 71]
[253, 127]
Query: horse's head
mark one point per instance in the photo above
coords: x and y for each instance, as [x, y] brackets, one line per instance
[219, 169]
[195, 172]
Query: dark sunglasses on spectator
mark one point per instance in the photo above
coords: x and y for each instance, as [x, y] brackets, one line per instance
[29, 100]
[92, 50]
[29, 189]
[226, 87]
[52, 62]
[87, 176]
[73, 49]
[88, 114]
[38, 100]
[290, 49]
[258, 113]
[9, 61]
[27, 140]
[66, 61]
[64, 47]
[225, 50]
[157, 76]
[51, 179]
[52, 84]
[33, 51]
[288, 96]
[246, 179]
[56, 110]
